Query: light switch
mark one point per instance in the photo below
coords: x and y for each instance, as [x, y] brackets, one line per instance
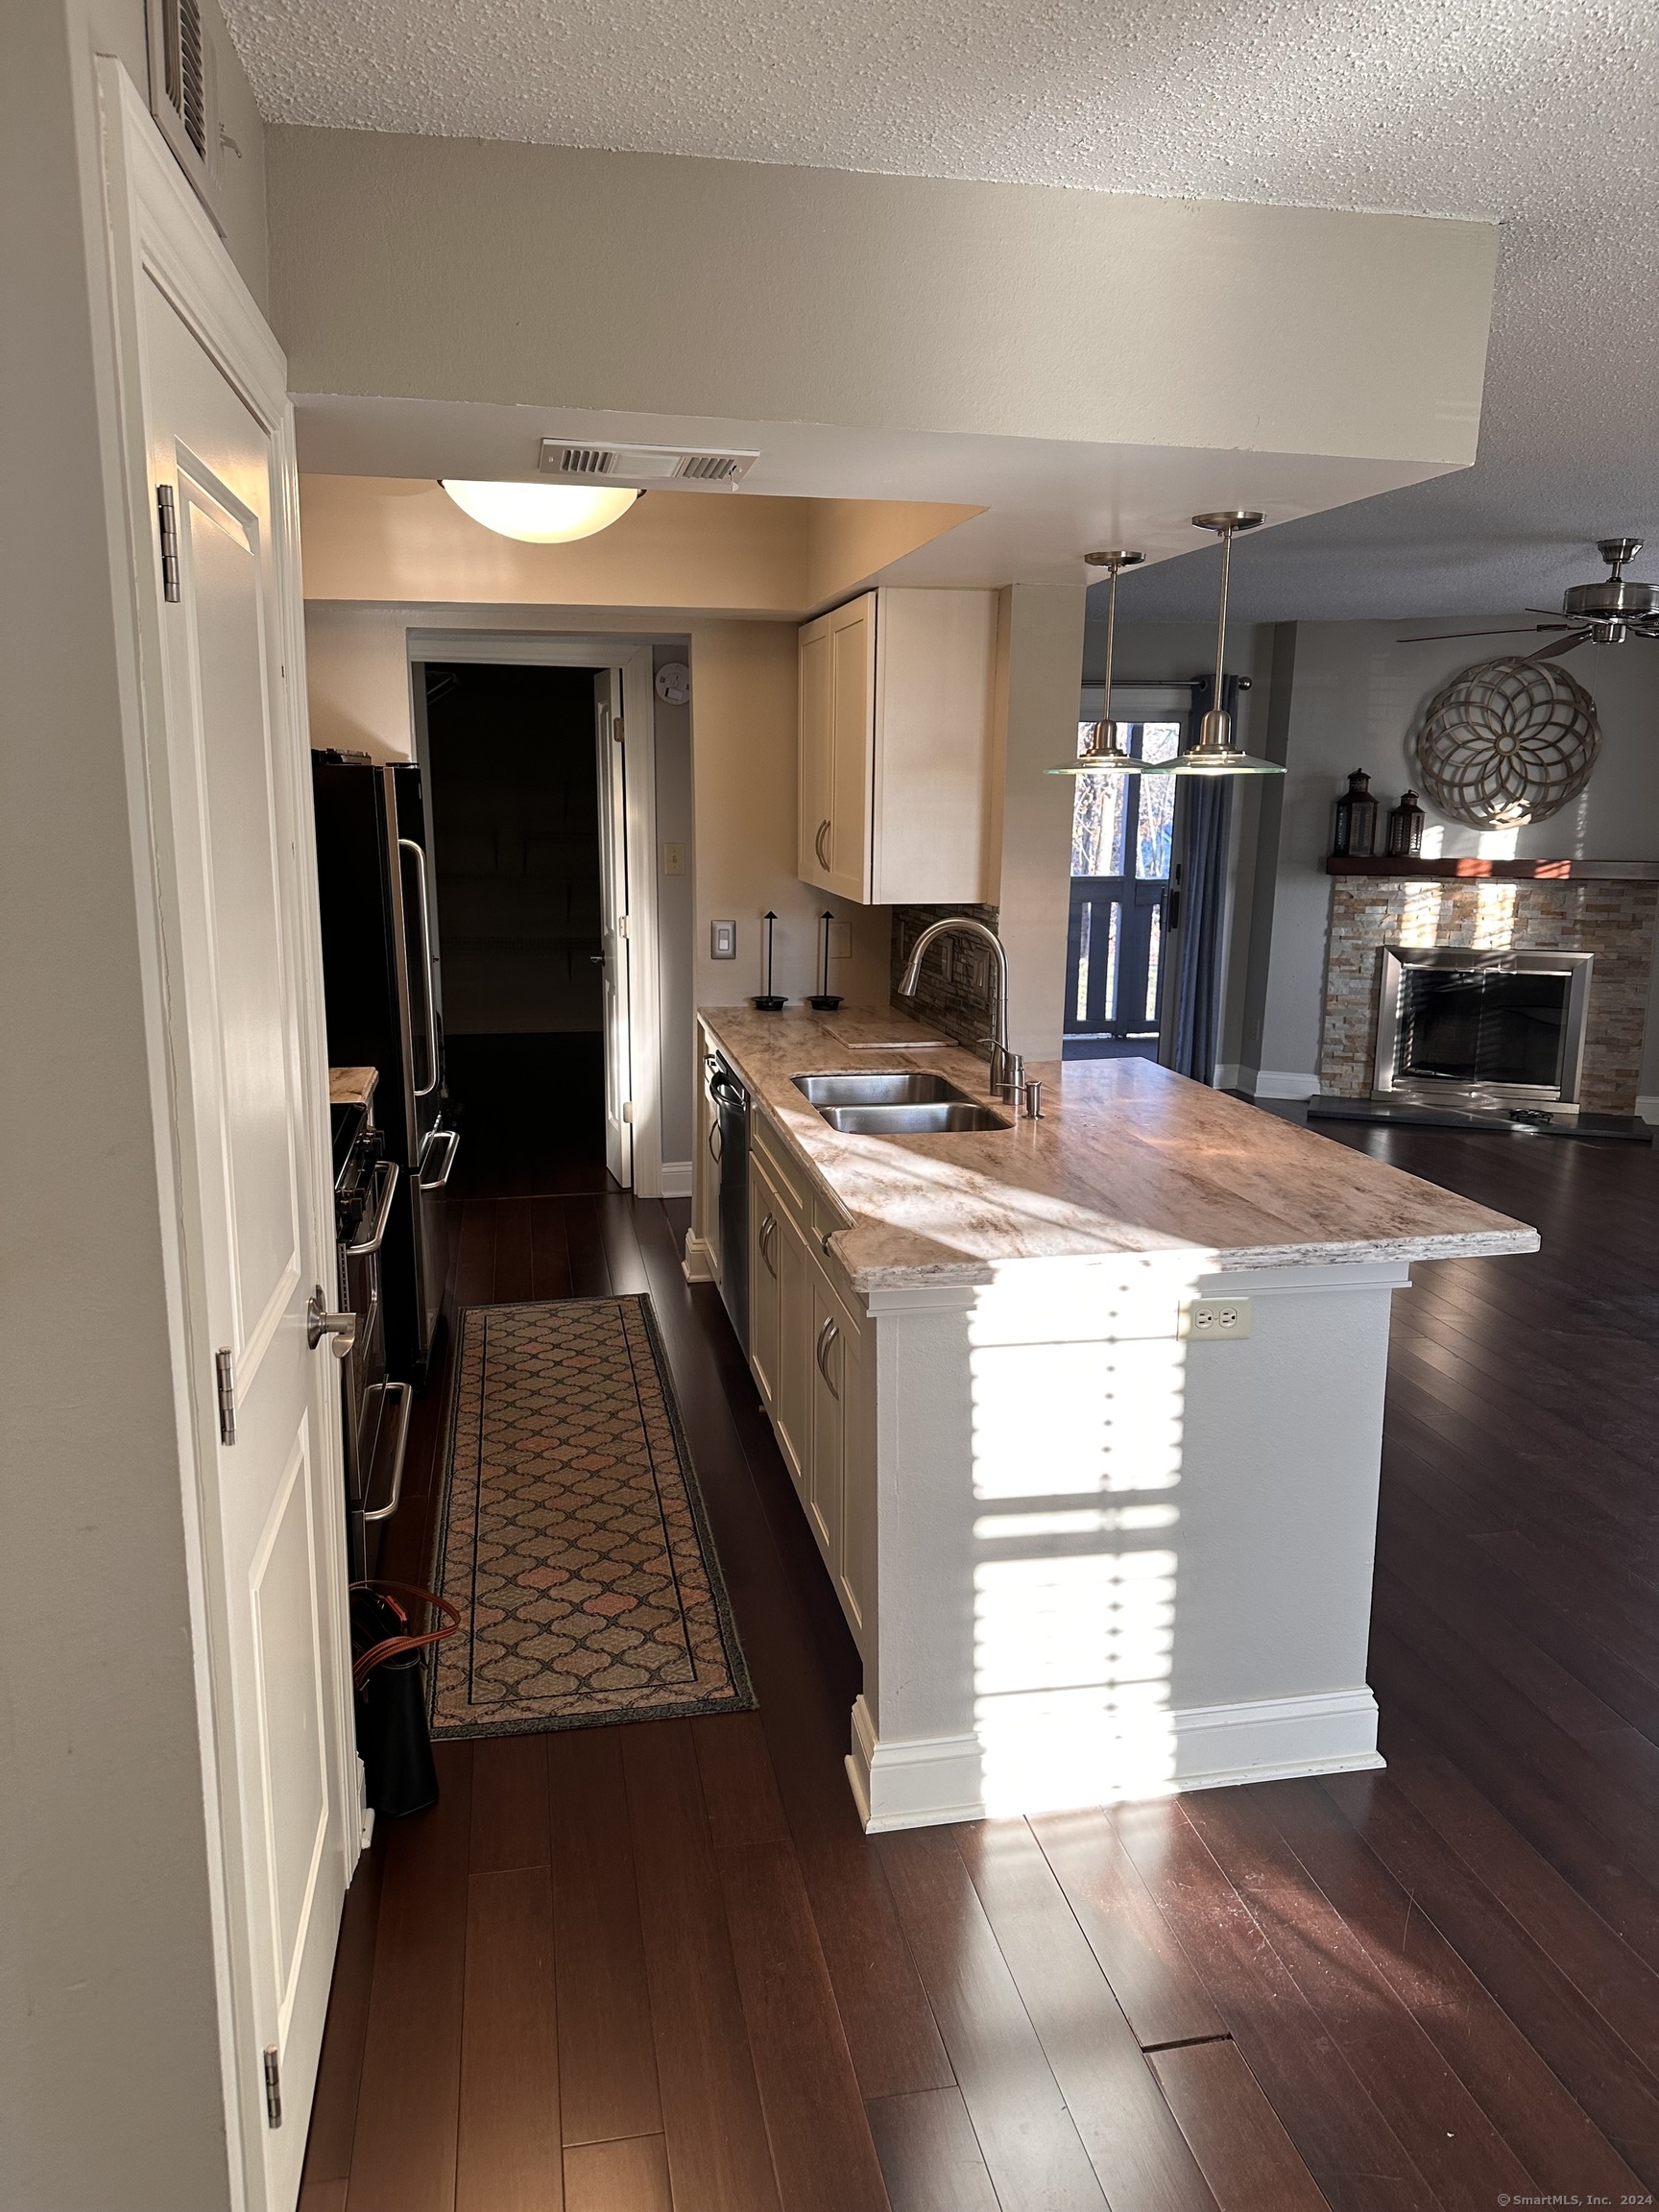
[723, 937]
[673, 860]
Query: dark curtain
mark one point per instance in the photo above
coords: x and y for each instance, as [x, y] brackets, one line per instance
[1203, 892]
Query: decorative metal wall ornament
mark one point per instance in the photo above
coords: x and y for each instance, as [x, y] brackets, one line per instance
[1507, 742]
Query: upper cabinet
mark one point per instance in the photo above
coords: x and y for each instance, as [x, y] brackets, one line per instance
[898, 748]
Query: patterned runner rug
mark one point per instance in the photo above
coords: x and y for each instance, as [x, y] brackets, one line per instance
[573, 1536]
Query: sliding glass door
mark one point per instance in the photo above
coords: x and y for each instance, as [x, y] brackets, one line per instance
[1123, 829]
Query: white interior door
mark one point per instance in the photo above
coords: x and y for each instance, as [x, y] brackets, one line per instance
[231, 865]
[614, 923]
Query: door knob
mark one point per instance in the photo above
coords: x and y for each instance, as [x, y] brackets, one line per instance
[341, 1329]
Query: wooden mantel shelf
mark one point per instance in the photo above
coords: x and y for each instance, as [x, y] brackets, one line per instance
[1467, 867]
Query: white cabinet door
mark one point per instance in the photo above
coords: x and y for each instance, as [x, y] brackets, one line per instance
[852, 747]
[828, 1421]
[816, 742]
[765, 1212]
[855, 1557]
[230, 795]
[613, 922]
[792, 1412]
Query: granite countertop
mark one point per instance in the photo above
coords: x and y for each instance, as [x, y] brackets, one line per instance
[351, 1086]
[1127, 1158]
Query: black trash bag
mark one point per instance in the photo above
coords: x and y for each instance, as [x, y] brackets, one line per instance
[389, 1676]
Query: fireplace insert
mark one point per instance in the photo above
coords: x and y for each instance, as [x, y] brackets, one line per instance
[1501, 1028]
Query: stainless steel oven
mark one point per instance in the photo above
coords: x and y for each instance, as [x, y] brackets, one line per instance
[376, 1410]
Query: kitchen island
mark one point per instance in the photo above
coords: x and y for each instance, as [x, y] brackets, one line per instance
[1085, 1414]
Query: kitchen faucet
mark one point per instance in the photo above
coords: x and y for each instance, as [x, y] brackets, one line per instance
[1007, 1069]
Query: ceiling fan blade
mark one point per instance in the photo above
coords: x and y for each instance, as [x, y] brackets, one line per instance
[1560, 647]
[1448, 636]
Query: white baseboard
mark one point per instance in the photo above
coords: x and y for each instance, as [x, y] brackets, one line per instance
[1648, 1109]
[926, 1782]
[922, 1783]
[1279, 1083]
[700, 1263]
[676, 1179]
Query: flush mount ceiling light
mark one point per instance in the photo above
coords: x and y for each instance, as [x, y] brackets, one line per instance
[1215, 754]
[1104, 753]
[540, 513]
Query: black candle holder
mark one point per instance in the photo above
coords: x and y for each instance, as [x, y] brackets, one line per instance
[823, 1000]
[768, 1002]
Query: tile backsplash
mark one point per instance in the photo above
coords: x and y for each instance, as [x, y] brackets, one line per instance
[955, 984]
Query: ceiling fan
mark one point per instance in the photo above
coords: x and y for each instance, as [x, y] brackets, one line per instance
[1605, 613]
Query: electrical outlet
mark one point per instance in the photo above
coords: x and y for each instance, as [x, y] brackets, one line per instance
[723, 940]
[1215, 1318]
[673, 860]
[840, 940]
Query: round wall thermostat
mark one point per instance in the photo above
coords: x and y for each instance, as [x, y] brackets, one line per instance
[674, 683]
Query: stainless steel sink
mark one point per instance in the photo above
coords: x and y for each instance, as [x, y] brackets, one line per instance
[926, 1118]
[899, 1087]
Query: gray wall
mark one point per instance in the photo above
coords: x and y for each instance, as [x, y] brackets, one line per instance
[111, 2091]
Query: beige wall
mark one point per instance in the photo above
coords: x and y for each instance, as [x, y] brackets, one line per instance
[110, 2088]
[118, 27]
[743, 719]
[390, 538]
[1043, 656]
[722, 289]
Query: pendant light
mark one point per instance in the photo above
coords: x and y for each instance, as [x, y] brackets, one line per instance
[1104, 753]
[1215, 754]
[540, 514]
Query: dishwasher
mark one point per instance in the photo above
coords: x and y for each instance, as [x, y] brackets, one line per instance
[729, 1142]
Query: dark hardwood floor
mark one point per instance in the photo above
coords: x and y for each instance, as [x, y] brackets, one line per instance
[621, 1970]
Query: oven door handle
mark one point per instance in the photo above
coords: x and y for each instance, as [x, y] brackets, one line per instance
[405, 1396]
[377, 1236]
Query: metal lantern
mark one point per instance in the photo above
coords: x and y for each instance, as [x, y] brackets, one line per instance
[1356, 835]
[1406, 829]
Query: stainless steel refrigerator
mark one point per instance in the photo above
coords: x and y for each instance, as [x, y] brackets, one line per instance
[376, 894]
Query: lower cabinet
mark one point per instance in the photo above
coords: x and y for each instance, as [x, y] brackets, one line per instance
[810, 1355]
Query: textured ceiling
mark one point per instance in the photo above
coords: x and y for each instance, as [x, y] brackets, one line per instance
[1543, 116]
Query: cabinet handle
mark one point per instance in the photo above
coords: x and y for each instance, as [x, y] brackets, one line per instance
[827, 1336]
[714, 1142]
[818, 845]
[768, 1229]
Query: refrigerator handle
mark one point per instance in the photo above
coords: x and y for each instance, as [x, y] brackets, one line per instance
[425, 1090]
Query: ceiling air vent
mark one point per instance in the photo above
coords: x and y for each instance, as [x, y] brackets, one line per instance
[182, 93]
[641, 464]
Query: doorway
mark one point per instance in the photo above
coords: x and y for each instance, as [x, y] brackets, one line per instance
[1117, 945]
[513, 784]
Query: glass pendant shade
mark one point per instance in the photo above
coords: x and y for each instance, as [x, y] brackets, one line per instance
[1213, 754]
[540, 514]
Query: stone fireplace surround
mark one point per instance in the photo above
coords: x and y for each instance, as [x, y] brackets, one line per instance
[1613, 919]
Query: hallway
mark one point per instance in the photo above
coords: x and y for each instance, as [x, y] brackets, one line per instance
[618, 1961]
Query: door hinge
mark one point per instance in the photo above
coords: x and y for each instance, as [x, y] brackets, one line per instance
[273, 2087]
[225, 1374]
[622, 926]
[167, 515]
[616, 728]
[627, 1109]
